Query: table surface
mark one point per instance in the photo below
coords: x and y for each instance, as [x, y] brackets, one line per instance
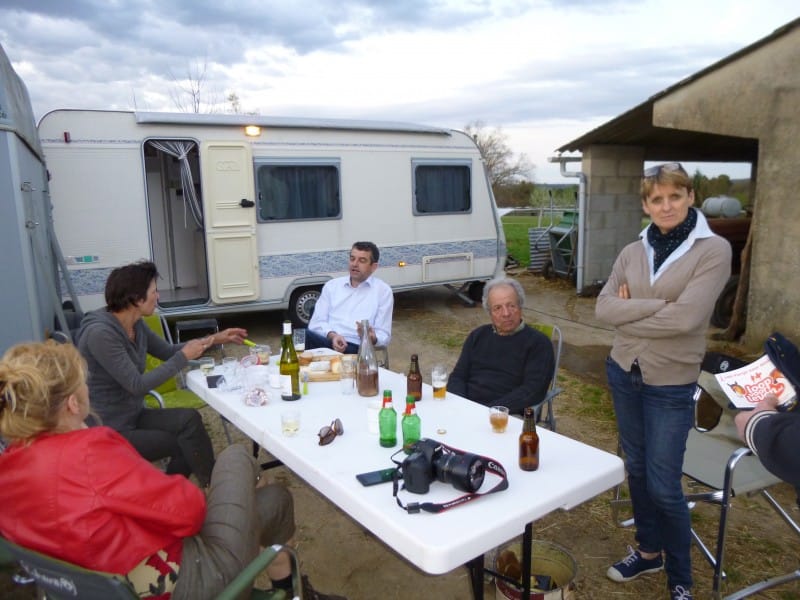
[570, 471]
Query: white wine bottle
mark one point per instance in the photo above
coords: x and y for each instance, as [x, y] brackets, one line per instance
[289, 365]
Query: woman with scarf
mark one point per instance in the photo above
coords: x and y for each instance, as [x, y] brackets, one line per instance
[659, 298]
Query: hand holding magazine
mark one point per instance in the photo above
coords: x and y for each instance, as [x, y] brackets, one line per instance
[747, 386]
[777, 372]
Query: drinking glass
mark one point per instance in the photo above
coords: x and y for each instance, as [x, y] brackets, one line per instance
[299, 339]
[207, 365]
[290, 422]
[439, 381]
[498, 417]
[261, 352]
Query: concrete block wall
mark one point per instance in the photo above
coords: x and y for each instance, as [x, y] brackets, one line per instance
[613, 208]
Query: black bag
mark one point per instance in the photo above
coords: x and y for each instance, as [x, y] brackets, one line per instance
[785, 356]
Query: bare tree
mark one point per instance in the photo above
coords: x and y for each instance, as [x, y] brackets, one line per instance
[499, 159]
[189, 94]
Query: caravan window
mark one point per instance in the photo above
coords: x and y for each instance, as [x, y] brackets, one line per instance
[441, 188]
[297, 191]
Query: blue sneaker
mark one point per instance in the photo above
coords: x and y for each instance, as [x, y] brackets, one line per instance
[634, 565]
[678, 592]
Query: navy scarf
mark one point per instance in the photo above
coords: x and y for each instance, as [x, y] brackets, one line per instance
[665, 244]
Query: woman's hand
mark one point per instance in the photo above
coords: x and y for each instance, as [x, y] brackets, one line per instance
[195, 348]
[232, 335]
[624, 292]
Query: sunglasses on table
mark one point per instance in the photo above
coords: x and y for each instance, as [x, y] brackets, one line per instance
[328, 433]
[671, 167]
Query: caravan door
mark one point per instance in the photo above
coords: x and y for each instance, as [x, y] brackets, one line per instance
[229, 210]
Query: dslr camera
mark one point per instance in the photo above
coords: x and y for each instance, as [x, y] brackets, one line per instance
[431, 460]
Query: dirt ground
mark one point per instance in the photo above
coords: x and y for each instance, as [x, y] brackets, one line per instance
[342, 557]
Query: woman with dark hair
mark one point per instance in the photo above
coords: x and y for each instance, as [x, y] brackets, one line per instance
[659, 298]
[84, 495]
[115, 342]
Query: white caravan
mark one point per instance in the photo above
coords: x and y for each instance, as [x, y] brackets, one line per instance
[244, 213]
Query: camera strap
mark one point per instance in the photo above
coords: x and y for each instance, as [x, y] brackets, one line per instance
[492, 466]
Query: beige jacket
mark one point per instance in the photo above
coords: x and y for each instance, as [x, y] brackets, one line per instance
[664, 324]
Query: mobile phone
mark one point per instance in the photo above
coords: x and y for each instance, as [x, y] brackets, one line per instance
[376, 477]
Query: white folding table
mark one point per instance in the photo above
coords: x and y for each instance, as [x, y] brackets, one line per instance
[570, 471]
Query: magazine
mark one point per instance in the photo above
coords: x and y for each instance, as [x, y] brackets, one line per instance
[745, 387]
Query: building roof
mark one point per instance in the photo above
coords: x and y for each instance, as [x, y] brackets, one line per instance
[635, 127]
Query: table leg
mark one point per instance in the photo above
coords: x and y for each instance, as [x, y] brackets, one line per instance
[475, 567]
[527, 550]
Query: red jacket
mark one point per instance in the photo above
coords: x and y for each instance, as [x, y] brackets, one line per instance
[89, 498]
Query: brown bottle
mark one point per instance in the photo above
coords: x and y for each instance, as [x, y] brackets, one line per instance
[414, 379]
[529, 443]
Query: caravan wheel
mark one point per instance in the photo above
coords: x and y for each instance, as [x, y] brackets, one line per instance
[301, 305]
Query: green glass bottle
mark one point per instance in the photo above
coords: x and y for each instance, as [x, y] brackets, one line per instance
[411, 425]
[387, 421]
[289, 365]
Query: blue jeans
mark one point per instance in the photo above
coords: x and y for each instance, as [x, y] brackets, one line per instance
[315, 340]
[653, 423]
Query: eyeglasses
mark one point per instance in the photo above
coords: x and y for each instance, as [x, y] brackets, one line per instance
[672, 167]
[328, 433]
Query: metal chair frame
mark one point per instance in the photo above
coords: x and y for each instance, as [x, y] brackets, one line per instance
[715, 458]
[554, 333]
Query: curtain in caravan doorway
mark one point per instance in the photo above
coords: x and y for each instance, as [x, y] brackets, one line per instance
[180, 150]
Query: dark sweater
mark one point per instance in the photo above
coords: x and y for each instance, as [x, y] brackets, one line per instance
[117, 381]
[775, 438]
[504, 370]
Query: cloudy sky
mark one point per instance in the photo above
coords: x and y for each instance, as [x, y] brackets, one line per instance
[544, 71]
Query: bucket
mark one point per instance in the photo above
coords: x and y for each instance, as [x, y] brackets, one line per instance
[548, 560]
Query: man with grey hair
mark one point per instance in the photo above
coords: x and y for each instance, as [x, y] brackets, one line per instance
[505, 362]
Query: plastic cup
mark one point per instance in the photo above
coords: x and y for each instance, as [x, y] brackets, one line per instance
[373, 408]
[290, 422]
[498, 418]
[439, 381]
[274, 375]
[347, 383]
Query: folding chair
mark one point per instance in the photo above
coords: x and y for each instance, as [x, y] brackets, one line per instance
[60, 580]
[554, 333]
[172, 391]
[717, 459]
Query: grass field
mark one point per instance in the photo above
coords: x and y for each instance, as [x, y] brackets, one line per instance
[516, 230]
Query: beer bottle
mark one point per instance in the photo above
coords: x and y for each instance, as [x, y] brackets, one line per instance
[289, 365]
[387, 421]
[411, 425]
[414, 379]
[529, 443]
[366, 364]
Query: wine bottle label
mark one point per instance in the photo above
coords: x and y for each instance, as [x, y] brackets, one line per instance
[286, 385]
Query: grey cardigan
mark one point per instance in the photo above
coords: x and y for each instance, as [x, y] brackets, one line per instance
[664, 323]
[117, 381]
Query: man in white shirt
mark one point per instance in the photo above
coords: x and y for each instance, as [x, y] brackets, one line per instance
[346, 301]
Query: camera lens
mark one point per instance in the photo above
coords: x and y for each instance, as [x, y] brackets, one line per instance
[465, 472]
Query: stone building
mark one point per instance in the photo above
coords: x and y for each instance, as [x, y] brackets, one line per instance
[744, 108]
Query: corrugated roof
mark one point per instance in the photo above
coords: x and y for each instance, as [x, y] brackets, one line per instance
[635, 127]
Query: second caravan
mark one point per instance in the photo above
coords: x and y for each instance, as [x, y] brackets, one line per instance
[245, 213]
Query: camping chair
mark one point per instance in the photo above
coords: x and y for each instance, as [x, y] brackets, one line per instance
[59, 580]
[554, 333]
[717, 459]
[172, 390]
